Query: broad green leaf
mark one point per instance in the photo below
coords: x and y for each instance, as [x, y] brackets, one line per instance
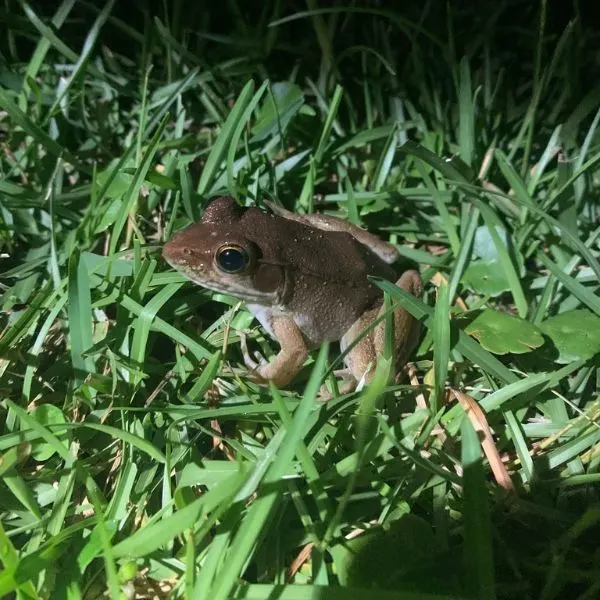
[502, 333]
[486, 277]
[576, 334]
[483, 244]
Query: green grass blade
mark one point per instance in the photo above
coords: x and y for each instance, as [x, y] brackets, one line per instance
[41, 51]
[332, 112]
[466, 131]
[441, 346]
[582, 293]
[20, 119]
[251, 528]
[81, 64]
[479, 560]
[154, 535]
[218, 152]
[132, 194]
[80, 316]
[240, 125]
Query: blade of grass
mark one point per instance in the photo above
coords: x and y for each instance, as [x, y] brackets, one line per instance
[263, 591]
[466, 119]
[20, 119]
[441, 346]
[154, 535]
[41, 51]
[80, 318]
[48, 34]
[479, 560]
[465, 252]
[440, 204]
[332, 112]
[131, 196]
[510, 271]
[385, 162]
[82, 61]
[252, 527]
[238, 130]
[218, 151]
[143, 323]
[465, 344]
[583, 294]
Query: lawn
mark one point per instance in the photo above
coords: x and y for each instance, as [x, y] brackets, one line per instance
[138, 459]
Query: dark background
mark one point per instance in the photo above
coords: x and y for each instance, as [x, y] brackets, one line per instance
[200, 23]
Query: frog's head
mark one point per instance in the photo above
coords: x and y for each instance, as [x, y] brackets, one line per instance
[220, 252]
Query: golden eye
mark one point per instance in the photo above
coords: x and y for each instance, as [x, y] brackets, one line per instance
[232, 259]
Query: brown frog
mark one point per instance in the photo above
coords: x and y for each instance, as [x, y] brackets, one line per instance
[304, 277]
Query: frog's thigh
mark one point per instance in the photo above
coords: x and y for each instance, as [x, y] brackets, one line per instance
[290, 358]
[406, 327]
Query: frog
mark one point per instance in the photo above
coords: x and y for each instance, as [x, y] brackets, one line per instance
[305, 278]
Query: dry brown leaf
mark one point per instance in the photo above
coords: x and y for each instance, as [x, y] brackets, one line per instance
[439, 279]
[302, 557]
[480, 424]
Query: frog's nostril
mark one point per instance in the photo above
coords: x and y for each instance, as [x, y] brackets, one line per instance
[187, 251]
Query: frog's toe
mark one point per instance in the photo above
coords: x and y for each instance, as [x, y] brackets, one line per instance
[254, 366]
[324, 394]
[261, 360]
[346, 385]
[256, 363]
[248, 360]
[255, 377]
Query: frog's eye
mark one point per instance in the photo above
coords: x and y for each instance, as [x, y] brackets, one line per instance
[232, 259]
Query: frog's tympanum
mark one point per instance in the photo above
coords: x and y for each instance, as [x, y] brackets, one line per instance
[304, 277]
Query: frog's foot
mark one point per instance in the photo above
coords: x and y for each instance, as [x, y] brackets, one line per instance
[286, 364]
[348, 385]
[254, 366]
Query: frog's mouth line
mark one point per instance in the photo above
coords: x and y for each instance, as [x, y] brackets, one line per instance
[240, 291]
[204, 278]
[242, 294]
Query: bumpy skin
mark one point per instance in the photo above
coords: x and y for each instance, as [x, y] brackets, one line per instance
[306, 281]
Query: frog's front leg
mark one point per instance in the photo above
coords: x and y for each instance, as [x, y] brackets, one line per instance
[289, 360]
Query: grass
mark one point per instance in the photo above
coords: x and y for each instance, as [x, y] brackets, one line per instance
[136, 458]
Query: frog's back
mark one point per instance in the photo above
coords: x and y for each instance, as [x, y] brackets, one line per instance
[326, 273]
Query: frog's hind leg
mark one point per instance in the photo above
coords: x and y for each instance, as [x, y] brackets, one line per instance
[362, 358]
[407, 329]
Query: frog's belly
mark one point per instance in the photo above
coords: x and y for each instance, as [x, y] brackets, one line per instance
[326, 326]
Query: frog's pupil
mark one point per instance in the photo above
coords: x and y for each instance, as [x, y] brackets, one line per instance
[232, 260]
